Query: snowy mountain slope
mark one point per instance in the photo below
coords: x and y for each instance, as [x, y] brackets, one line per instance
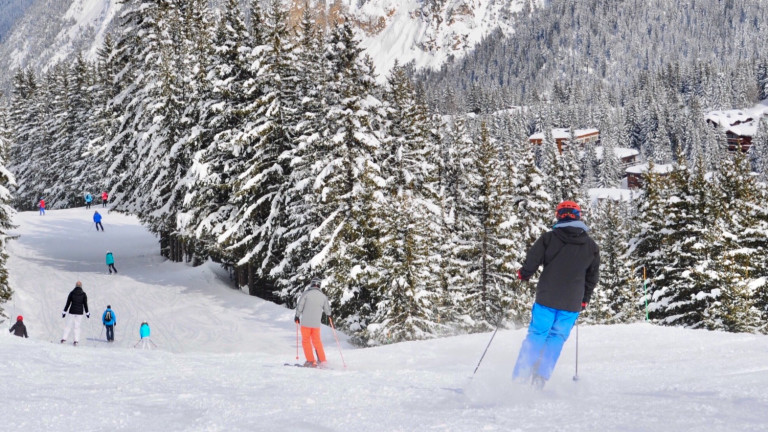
[53, 30]
[427, 32]
[219, 362]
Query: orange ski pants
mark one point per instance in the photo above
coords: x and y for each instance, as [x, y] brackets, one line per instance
[310, 336]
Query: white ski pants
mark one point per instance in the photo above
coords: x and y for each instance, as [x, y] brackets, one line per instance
[73, 321]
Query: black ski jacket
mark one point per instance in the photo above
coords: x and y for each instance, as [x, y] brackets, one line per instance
[571, 262]
[77, 301]
[19, 329]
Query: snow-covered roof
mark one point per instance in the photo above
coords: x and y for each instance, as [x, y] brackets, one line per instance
[620, 152]
[658, 169]
[742, 122]
[564, 133]
[616, 194]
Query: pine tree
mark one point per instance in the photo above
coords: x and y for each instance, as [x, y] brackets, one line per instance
[484, 237]
[347, 179]
[7, 182]
[410, 222]
[619, 297]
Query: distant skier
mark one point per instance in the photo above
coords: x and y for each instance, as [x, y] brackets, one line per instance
[97, 220]
[145, 341]
[41, 205]
[309, 311]
[110, 321]
[111, 263]
[571, 270]
[19, 329]
[104, 198]
[88, 200]
[77, 303]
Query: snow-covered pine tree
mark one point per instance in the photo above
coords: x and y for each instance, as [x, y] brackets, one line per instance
[348, 181]
[684, 289]
[159, 190]
[619, 297]
[410, 223]
[260, 198]
[644, 248]
[24, 119]
[531, 215]
[207, 207]
[609, 174]
[484, 245]
[739, 257]
[7, 182]
[303, 205]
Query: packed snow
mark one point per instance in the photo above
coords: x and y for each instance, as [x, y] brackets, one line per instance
[218, 365]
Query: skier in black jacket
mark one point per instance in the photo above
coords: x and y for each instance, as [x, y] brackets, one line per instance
[77, 303]
[18, 328]
[571, 262]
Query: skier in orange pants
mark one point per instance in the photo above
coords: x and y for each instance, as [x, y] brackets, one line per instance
[309, 311]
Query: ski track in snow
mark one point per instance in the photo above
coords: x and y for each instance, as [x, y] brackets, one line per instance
[219, 361]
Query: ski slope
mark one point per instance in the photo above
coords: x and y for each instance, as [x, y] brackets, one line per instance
[219, 361]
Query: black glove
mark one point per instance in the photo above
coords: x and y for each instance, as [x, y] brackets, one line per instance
[87, 314]
[521, 277]
[63, 314]
[583, 306]
[296, 320]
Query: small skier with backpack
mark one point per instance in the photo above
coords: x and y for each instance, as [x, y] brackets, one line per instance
[104, 198]
[18, 328]
[110, 321]
[111, 263]
[309, 312]
[88, 200]
[41, 205]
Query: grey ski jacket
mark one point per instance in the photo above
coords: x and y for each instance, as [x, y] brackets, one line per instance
[312, 304]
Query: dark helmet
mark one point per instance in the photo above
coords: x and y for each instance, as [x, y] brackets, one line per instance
[109, 307]
[315, 282]
[568, 210]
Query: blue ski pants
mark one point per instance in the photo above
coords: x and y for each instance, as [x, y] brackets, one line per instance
[547, 333]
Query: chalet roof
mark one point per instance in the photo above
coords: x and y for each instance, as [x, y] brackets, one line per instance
[620, 152]
[564, 133]
[616, 194]
[741, 122]
[658, 169]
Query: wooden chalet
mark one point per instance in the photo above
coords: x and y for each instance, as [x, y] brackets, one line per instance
[561, 137]
[636, 173]
[740, 126]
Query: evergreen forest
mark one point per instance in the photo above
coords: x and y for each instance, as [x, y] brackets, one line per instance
[262, 138]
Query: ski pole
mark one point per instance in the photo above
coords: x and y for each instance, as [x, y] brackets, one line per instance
[337, 342]
[486, 350]
[576, 374]
[297, 341]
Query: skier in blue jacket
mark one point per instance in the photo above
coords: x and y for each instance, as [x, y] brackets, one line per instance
[88, 200]
[97, 220]
[110, 321]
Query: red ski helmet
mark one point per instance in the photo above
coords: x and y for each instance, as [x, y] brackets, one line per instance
[568, 210]
[19, 318]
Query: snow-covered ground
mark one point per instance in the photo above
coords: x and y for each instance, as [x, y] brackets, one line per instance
[219, 361]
